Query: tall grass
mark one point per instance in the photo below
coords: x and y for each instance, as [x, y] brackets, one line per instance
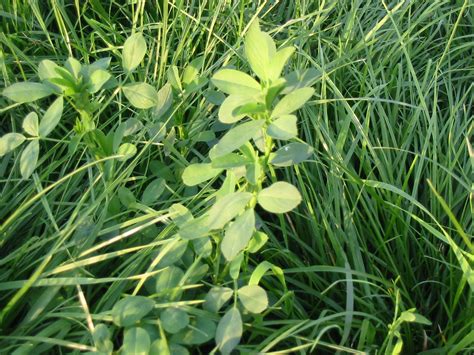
[386, 220]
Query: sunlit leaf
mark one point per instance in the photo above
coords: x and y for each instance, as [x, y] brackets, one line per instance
[130, 310]
[27, 92]
[280, 197]
[141, 95]
[10, 141]
[235, 82]
[29, 159]
[134, 50]
[229, 331]
[51, 117]
[238, 234]
[253, 298]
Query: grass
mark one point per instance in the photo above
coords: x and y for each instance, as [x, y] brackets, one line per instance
[386, 219]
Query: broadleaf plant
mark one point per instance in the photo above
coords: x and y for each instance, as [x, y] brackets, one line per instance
[248, 153]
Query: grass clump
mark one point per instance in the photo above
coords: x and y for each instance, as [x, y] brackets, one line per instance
[144, 211]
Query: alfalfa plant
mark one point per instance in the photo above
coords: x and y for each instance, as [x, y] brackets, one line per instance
[261, 112]
[84, 87]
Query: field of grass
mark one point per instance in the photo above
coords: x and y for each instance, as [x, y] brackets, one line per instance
[377, 258]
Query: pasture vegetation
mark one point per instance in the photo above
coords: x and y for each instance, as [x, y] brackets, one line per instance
[236, 177]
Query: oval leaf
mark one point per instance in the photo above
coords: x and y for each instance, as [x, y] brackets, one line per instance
[153, 191]
[216, 298]
[226, 208]
[292, 102]
[290, 154]
[174, 319]
[280, 197]
[278, 62]
[130, 310]
[197, 173]
[238, 234]
[141, 95]
[233, 81]
[229, 331]
[136, 341]
[47, 69]
[133, 52]
[236, 137]
[29, 159]
[10, 141]
[127, 151]
[27, 92]
[30, 124]
[227, 111]
[253, 298]
[283, 127]
[259, 49]
[51, 117]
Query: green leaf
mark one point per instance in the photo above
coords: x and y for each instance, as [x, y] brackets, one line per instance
[175, 349]
[27, 92]
[180, 214]
[283, 127]
[97, 79]
[235, 265]
[141, 95]
[253, 298]
[168, 279]
[10, 141]
[47, 69]
[74, 66]
[160, 346]
[278, 62]
[236, 137]
[258, 240]
[412, 317]
[201, 330]
[153, 191]
[174, 319]
[230, 160]
[300, 78]
[229, 331]
[253, 172]
[136, 341]
[130, 310]
[126, 196]
[51, 117]
[228, 112]
[173, 253]
[226, 208]
[292, 101]
[197, 173]
[195, 228]
[101, 337]
[238, 234]
[131, 126]
[216, 298]
[280, 197]
[29, 159]
[173, 78]
[157, 132]
[164, 101]
[134, 50]
[235, 82]
[290, 154]
[214, 97]
[202, 247]
[192, 70]
[127, 151]
[259, 49]
[30, 124]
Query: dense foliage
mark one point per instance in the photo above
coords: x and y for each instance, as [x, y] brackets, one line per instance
[254, 177]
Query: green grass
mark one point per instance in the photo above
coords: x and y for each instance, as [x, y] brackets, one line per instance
[386, 220]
